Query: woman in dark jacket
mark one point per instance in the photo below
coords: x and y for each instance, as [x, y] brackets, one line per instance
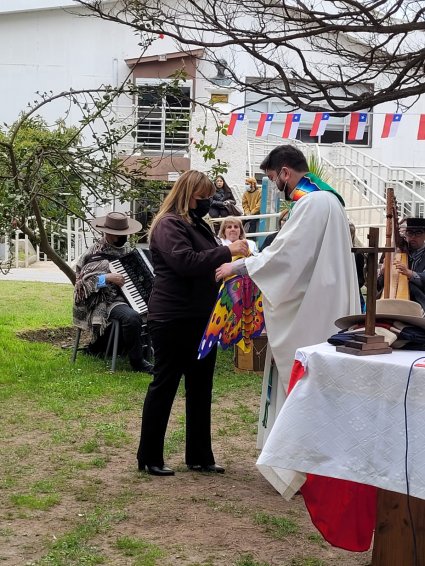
[185, 254]
[223, 202]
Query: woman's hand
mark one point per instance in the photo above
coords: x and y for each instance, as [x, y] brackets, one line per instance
[240, 247]
[223, 271]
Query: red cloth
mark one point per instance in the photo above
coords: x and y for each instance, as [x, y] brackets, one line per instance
[343, 511]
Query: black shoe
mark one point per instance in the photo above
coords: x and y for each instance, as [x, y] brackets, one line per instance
[214, 468]
[156, 470]
[143, 366]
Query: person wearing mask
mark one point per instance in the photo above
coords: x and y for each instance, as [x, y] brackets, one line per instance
[307, 277]
[98, 298]
[223, 203]
[413, 232]
[185, 254]
[232, 230]
[251, 201]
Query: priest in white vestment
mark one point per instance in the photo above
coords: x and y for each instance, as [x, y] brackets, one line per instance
[307, 275]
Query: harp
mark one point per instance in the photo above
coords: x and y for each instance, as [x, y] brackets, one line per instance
[396, 285]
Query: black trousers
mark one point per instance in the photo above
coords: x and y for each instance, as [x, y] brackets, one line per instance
[130, 342]
[175, 345]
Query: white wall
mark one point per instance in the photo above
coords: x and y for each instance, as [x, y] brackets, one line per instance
[51, 49]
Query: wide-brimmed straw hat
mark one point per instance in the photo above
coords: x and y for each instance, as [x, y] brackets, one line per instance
[116, 223]
[409, 312]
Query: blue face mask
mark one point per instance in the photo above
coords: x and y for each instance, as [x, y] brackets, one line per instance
[202, 207]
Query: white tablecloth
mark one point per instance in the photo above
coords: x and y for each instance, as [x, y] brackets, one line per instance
[345, 419]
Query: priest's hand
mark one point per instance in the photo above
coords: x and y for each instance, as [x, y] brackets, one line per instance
[224, 271]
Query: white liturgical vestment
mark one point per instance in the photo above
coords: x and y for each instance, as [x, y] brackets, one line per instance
[308, 279]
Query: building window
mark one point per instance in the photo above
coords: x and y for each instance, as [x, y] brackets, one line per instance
[163, 117]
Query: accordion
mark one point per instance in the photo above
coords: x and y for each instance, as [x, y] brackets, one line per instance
[138, 274]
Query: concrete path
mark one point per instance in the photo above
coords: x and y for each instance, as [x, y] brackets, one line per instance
[44, 271]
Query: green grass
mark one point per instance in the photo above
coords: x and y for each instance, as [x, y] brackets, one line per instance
[68, 438]
[277, 527]
[248, 560]
[30, 501]
[142, 552]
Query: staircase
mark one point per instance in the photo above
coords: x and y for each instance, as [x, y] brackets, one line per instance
[361, 180]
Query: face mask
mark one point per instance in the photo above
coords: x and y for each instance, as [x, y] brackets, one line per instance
[120, 241]
[247, 187]
[283, 187]
[202, 207]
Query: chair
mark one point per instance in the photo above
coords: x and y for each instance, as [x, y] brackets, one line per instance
[113, 341]
[113, 336]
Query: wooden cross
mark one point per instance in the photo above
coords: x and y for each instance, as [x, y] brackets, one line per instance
[367, 342]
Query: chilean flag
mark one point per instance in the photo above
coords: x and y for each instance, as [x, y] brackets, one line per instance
[357, 126]
[421, 129]
[391, 124]
[292, 124]
[264, 124]
[319, 124]
[235, 124]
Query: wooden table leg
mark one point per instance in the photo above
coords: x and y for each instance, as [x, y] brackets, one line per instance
[393, 542]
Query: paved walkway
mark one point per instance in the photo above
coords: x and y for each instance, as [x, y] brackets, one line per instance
[44, 271]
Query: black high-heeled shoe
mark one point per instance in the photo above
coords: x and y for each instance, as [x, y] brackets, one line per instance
[212, 468]
[156, 470]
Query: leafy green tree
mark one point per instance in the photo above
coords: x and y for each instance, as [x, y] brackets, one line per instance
[51, 171]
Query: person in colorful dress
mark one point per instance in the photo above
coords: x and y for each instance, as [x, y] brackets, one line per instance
[307, 275]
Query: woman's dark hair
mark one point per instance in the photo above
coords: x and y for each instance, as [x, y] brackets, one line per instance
[285, 156]
[225, 186]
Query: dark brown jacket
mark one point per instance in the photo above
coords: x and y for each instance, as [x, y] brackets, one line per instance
[185, 257]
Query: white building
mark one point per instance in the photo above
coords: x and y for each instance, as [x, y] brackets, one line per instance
[46, 46]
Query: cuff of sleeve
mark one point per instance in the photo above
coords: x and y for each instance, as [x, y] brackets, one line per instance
[238, 267]
[101, 281]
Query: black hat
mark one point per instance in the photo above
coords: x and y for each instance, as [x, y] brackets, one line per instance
[415, 223]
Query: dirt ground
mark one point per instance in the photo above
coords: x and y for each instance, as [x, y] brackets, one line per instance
[197, 519]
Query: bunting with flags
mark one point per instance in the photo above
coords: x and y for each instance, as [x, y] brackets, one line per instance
[421, 128]
[292, 123]
[235, 124]
[319, 125]
[358, 123]
[264, 124]
[391, 124]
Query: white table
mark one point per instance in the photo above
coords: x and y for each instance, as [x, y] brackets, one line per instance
[345, 419]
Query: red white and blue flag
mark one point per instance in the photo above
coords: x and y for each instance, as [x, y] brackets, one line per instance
[264, 124]
[292, 124]
[319, 124]
[421, 128]
[235, 124]
[357, 126]
[391, 124]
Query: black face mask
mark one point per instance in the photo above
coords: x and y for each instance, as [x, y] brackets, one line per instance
[120, 241]
[202, 207]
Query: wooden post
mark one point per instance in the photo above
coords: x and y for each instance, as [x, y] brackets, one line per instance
[394, 540]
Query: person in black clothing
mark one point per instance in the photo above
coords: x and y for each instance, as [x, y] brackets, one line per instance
[359, 258]
[414, 234]
[185, 254]
[223, 203]
[98, 298]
